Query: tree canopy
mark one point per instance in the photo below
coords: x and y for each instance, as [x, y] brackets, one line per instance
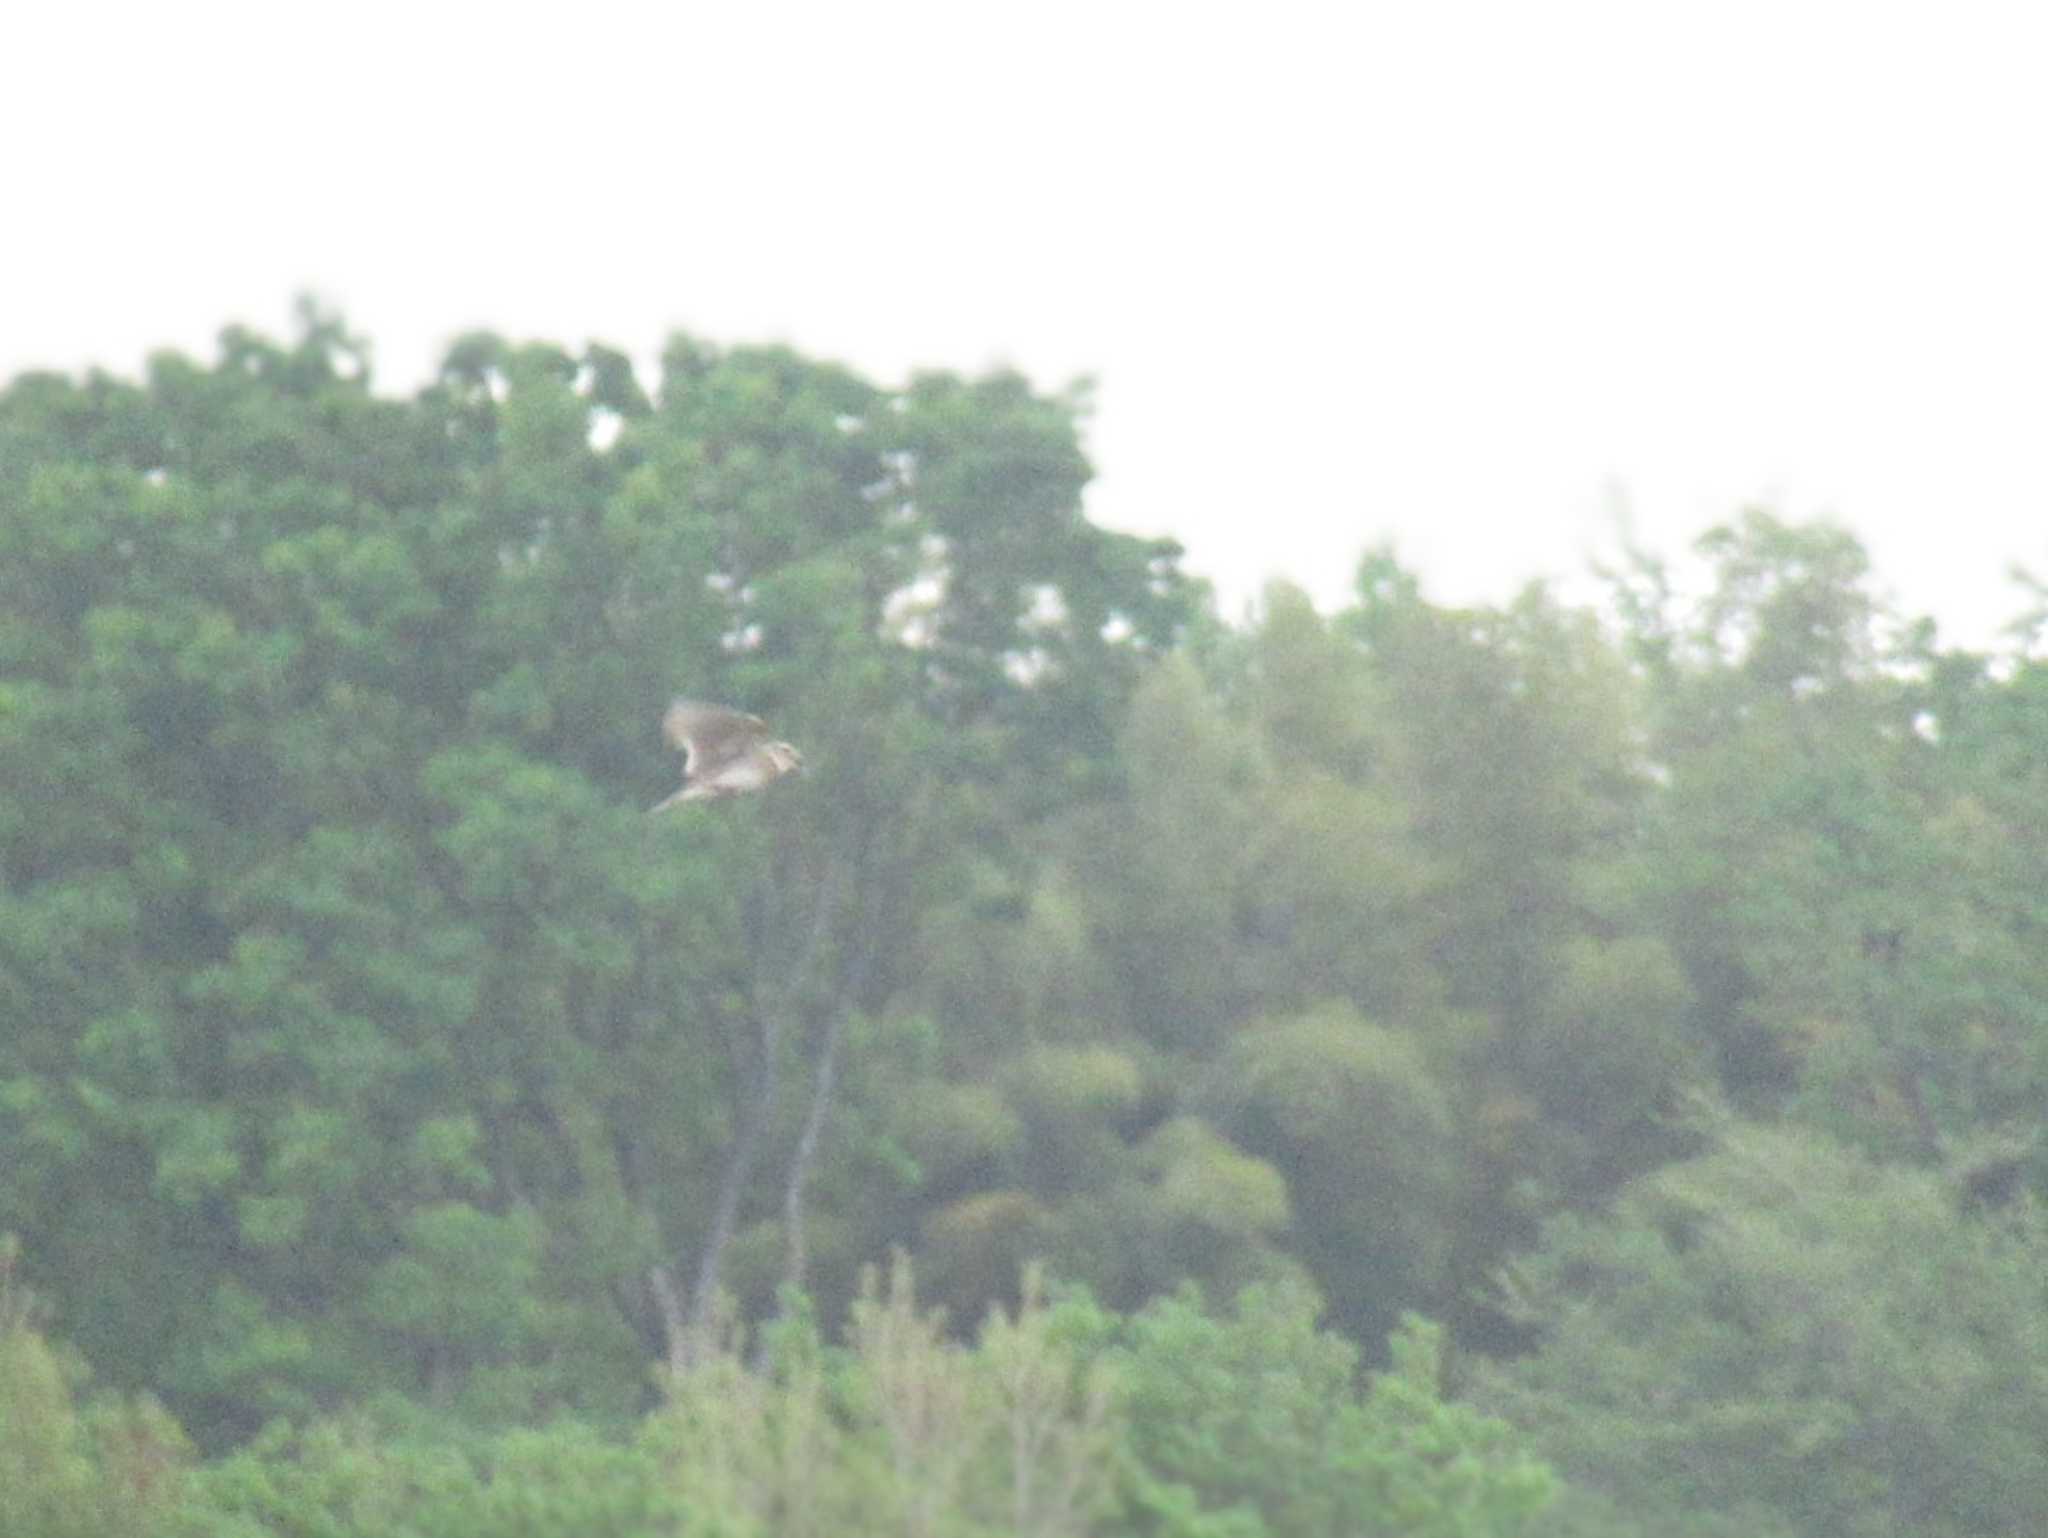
[1626, 990]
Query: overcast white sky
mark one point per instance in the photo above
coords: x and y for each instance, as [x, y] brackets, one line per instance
[1459, 275]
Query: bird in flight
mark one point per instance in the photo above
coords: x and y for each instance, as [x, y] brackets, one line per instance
[725, 752]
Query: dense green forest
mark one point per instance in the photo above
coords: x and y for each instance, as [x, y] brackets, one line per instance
[1409, 1070]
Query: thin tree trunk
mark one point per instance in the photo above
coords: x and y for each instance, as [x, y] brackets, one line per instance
[807, 1147]
[675, 1326]
[845, 999]
[756, 1114]
[732, 1184]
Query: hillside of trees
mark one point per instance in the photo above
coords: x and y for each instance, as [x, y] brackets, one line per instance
[1406, 1070]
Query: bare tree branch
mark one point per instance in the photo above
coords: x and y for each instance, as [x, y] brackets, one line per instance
[845, 998]
[775, 1006]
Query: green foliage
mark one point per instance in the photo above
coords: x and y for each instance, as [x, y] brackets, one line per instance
[1060, 1420]
[1252, 1424]
[346, 1480]
[342, 981]
[1352, 1112]
[111, 1469]
[904, 1429]
[1787, 1335]
[370, 1060]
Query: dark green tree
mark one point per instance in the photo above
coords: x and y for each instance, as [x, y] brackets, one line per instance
[1791, 1338]
[359, 1029]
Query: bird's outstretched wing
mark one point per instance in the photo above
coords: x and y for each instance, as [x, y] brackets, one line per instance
[709, 736]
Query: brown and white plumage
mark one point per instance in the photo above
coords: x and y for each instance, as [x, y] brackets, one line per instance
[725, 752]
